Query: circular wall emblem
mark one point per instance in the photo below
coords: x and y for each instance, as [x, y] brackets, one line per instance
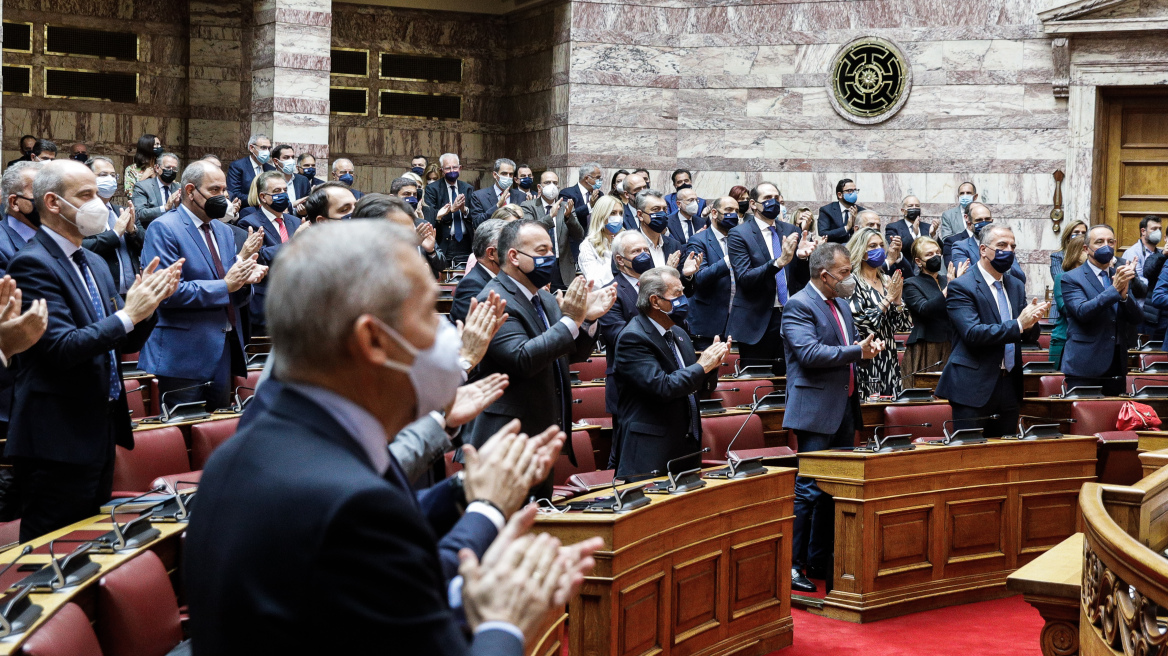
[870, 80]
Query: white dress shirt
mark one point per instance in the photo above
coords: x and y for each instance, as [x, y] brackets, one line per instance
[765, 228]
[69, 248]
[291, 189]
[656, 250]
[272, 217]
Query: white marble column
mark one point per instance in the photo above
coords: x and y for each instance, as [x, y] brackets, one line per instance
[290, 74]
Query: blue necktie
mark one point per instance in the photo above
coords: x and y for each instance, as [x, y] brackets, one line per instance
[781, 276]
[457, 217]
[695, 421]
[565, 415]
[127, 277]
[1004, 311]
[115, 381]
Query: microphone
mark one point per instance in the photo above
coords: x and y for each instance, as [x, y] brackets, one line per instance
[1038, 431]
[71, 570]
[1158, 391]
[134, 533]
[23, 552]
[194, 409]
[922, 370]
[900, 442]
[1082, 392]
[239, 403]
[964, 435]
[916, 393]
[684, 481]
[735, 466]
[176, 509]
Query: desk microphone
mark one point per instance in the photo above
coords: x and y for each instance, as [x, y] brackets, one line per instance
[683, 481]
[23, 552]
[1157, 391]
[1039, 431]
[168, 412]
[876, 442]
[965, 435]
[922, 370]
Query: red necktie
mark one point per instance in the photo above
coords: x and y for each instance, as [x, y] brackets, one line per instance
[283, 231]
[851, 366]
[206, 228]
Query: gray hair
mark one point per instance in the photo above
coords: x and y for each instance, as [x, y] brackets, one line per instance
[350, 267]
[1100, 225]
[194, 173]
[336, 162]
[824, 256]
[587, 169]
[13, 180]
[644, 195]
[177, 161]
[256, 137]
[501, 161]
[486, 236]
[622, 239]
[987, 233]
[446, 156]
[860, 216]
[100, 158]
[401, 183]
[654, 283]
[51, 179]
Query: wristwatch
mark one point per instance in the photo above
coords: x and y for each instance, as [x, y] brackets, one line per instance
[465, 364]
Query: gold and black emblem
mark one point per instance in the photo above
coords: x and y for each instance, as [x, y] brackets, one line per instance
[870, 79]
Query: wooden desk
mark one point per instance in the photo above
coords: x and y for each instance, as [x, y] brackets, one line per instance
[1152, 440]
[938, 526]
[215, 416]
[1051, 583]
[706, 572]
[1029, 381]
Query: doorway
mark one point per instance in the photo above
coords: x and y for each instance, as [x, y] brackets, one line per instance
[1134, 125]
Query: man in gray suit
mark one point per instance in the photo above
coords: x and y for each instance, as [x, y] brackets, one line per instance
[159, 194]
[561, 222]
[953, 219]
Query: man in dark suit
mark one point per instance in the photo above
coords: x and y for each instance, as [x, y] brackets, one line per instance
[683, 179]
[345, 173]
[630, 256]
[297, 186]
[407, 190]
[822, 352]
[23, 219]
[767, 270]
[633, 185]
[199, 341]
[27, 142]
[446, 210]
[539, 339]
[989, 313]
[660, 377]
[653, 222]
[70, 404]
[486, 252]
[242, 171]
[121, 244]
[484, 202]
[585, 192]
[560, 218]
[686, 220]
[313, 470]
[158, 194]
[905, 231]
[713, 282]
[978, 216]
[278, 225]
[306, 167]
[1099, 300]
[837, 220]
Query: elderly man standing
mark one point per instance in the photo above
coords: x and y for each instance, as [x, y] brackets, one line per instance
[243, 170]
[446, 209]
[484, 202]
[158, 194]
[346, 174]
[585, 192]
[62, 443]
[559, 217]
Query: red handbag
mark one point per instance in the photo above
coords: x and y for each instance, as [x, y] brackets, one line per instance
[1137, 416]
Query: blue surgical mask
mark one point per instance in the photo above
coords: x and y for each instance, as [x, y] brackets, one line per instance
[264, 156]
[451, 176]
[680, 309]
[346, 178]
[875, 257]
[1103, 254]
[280, 201]
[310, 172]
[658, 221]
[107, 186]
[288, 166]
[729, 220]
[413, 201]
[504, 182]
[1002, 261]
[771, 209]
[615, 223]
[542, 273]
[642, 263]
[596, 185]
[965, 199]
[850, 197]
[977, 227]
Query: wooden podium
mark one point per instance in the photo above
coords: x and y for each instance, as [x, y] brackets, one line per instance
[939, 525]
[704, 572]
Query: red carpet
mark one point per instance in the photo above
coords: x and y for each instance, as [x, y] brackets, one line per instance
[1004, 627]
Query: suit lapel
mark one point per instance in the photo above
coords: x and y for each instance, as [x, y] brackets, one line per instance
[522, 304]
[987, 294]
[756, 234]
[1092, 279]
[225, 242]
[270, 231]
[200, 243]
[66, 271]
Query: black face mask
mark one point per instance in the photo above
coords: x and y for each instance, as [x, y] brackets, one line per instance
[158, 152]
[34, 217]
[80, 157]
[215, 206]
[912, 213]
[743, 207]
[168, 175]
[933, 264]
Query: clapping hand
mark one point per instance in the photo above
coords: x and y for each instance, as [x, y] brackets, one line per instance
[1032, 313]
[807, 244]
[483, 320]
[692, 263]
[895, 287]
[255, 240]
[150, 288]
[790, 242]
[871, 346]
[18, 332]
[459, 203]
[173, 201]
[125, 222]
[472, 398]
[712, 357]
[599, 301]
[1123, 277]
[674, 259]
[427, 236]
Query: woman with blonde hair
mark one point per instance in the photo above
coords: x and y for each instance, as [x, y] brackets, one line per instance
[805, 219]
[877, 309]
[596, 252]
[1076, 228]
[931, 341]
[433, 173]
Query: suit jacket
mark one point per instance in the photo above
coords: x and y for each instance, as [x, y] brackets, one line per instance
[631, 220]
[819, 361]
[831, 222]
[654, 413]
[948, 243]
[106, 245]
[579, 203]
[483, 202]
[272, 245]
[469, 287]
[926, 304]
[10, 243]
[754, 275]
[61, 410]
[239, 176]
[1095, 320]
[968, 249]
[301, 185]
[148, 201]
[952, 222]
[671, 203]
[675, 228]
[612, 324]
[192, 322]
[900, 229]
[525, 350]
[567, 230]
[295, 476]
[710, 310]
[981, 337]
[436, 197]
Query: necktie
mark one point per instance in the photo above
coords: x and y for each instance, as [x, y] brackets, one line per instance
[165, 193]
[206, 228]
[781, 276]
[844, 336]
[1004, 310]
[565, 415]
[695, 421]
[457, 216]
[127, 274]
[847, 217]
[115, 376]
[283, 230]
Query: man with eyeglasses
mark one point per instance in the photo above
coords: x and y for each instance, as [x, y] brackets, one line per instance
[484, 202]
[585, 192]
[344, 172]
[837, 220]
[454, 227]
[159, 194]
[121, 243]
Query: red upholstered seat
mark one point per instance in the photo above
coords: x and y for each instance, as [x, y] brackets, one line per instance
[157, 452]
[741, 392]
[904, 415]
[134, 392]
[207, 436]
[718, 431]
[1044, 340]
[585, 458]
[1050, 385]
[137, 612]
[66, 633]
[1094, 416]
[1035, 356]
[9, 533]
[590, 369]
[588, 403]
[248, 381]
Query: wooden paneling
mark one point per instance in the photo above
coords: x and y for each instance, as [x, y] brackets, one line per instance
[1135, 172]
[975, 528]
[902, 540]
[695, 596]
[754, 569]
[1047, 519]
[639, 609]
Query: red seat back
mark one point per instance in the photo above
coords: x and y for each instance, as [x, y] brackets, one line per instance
[249, 381]
[1148, 358]
[741, 392]
[1035, 356]
[137, 612]
[903, 415]
[134, 391]
[590, 369]
[588, 403]
[1044, 340]
[207, 436]
[718, 431]
[66, 633]
[1050, 385]
[585, 458]
[1095, 416]
[157, 452]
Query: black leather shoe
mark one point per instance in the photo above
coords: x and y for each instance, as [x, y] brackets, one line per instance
[801, 583]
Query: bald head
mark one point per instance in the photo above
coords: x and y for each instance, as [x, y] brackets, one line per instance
[60, 188]
[868, 219]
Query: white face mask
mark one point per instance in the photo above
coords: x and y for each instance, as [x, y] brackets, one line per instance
[691, 208]
[107, 186]
[550, 191]
[92, 218]
[435, 373]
